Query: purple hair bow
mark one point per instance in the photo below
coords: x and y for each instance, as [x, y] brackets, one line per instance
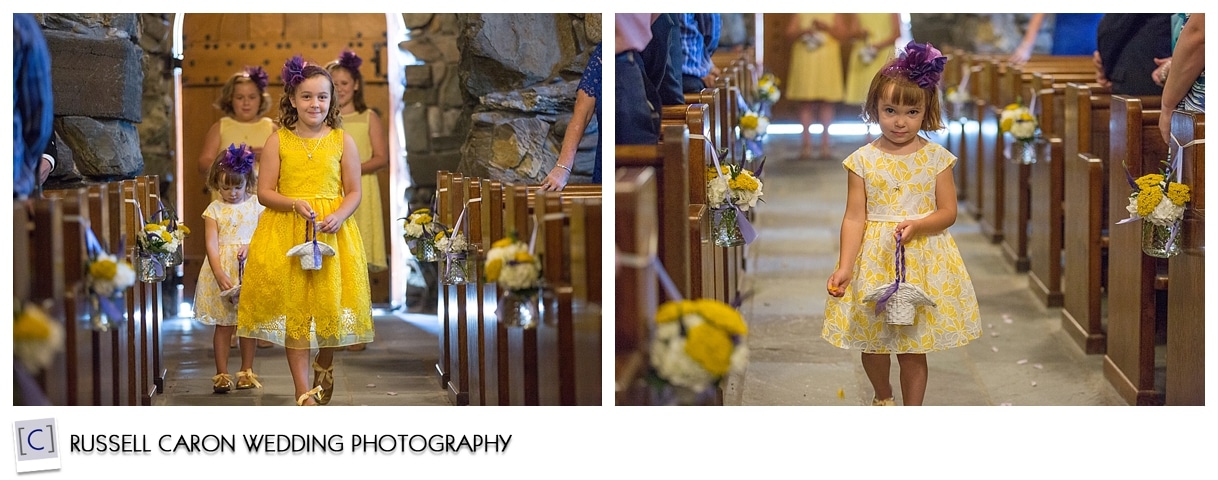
[350, 61]
[920, 62]
[258, 75]
[293, 71]
[238, 159]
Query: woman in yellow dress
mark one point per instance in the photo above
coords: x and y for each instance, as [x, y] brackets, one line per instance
[874, 38]
[364, 125]
[310, 173]
[816, 77]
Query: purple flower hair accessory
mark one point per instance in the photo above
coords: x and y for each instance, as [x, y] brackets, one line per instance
[258, 75]
[293, 71]
[920, 62]
[350, 61]
[238, 159]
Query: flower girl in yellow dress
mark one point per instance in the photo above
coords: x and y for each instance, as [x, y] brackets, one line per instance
[309, 182]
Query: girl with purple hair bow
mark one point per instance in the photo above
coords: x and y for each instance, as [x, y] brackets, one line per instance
[901, 198]
[229, 223]
[310, 185]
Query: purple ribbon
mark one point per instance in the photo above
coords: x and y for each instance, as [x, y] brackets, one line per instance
[312, 225]
[882, 302]
[95, 249]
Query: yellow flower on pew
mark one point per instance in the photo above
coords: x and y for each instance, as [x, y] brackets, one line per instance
[1018, 119]
[107, 275]
[767, 88]
[734, 181]
[753, 125]
[697, 343]
[36, 337]
[1158, 200]
[420, 223]
[510, 264]
[157, 238]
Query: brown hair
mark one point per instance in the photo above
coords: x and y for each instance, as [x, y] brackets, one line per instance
[903, 91]
[288, 116]
[218, 176]
[225, 101]
[357, 97]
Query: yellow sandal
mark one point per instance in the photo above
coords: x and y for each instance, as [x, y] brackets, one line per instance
[311, 393]
[323, 380]
[221, 383]
[246, 379]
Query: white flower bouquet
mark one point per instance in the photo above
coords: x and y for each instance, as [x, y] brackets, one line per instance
[697, 342]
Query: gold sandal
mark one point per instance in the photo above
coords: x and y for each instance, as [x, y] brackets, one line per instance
[311, 393]
[887, 402]
[246, 379]
[323, 379]
[221, 383]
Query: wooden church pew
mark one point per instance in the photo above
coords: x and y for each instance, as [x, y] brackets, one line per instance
[1186, 272]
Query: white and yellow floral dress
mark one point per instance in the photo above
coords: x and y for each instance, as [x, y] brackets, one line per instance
[902, 187]
[235, 224]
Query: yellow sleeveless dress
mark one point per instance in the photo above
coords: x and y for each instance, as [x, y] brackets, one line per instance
[368, 215]
[817, 74]
[901, 187]
[280, 301]
[858, 74]
[253, 134]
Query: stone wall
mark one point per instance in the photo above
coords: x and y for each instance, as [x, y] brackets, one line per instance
[113, 96]
[492, 94]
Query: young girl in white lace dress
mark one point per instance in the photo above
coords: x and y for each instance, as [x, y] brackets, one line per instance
[901, 193]
[229, 222]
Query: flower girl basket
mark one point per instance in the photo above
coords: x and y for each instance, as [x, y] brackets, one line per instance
[898, 300]
[311, 251]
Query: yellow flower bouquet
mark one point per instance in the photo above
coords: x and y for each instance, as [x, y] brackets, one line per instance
[767, 88]
[1018, 120]
[730, 190]
[36, 337]
[1159, 203]
[511, 264]
[696, 343]
[753, 126]
[420, 229]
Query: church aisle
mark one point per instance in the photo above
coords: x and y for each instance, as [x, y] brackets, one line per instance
[1022, 358]
[398, 368]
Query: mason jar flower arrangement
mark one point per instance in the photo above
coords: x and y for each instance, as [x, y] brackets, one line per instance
[730, 190]
[767, 93]
[420, 229]
[696, 343]
[1159, 203]
[106, 278]
[458, 267]
[511, 264]
[1018, 120]
[157, 245]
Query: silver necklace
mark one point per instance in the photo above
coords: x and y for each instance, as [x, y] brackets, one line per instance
[305, 146]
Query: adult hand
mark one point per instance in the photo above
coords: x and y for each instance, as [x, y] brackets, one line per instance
[1159, 75]
[556, 180]
[1021, 54]
[1100, 78]
[45, 165]
[1165, 126]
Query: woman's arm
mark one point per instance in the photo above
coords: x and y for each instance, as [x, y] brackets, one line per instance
[1188, 61]
[351, 188]
[380, 146]
[895, 28]
[585, 105]
[1024, 51]
[211, 147]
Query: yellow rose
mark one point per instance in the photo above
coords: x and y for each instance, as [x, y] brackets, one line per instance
[721, 315]
[672, 311]
[184, 229]
[523, 257]
[502, 242]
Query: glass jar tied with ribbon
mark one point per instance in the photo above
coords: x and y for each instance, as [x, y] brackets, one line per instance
[420, 230]
[512, 265]
[459, 255]
[1158, 199]
[731, 190]
[107, 276]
